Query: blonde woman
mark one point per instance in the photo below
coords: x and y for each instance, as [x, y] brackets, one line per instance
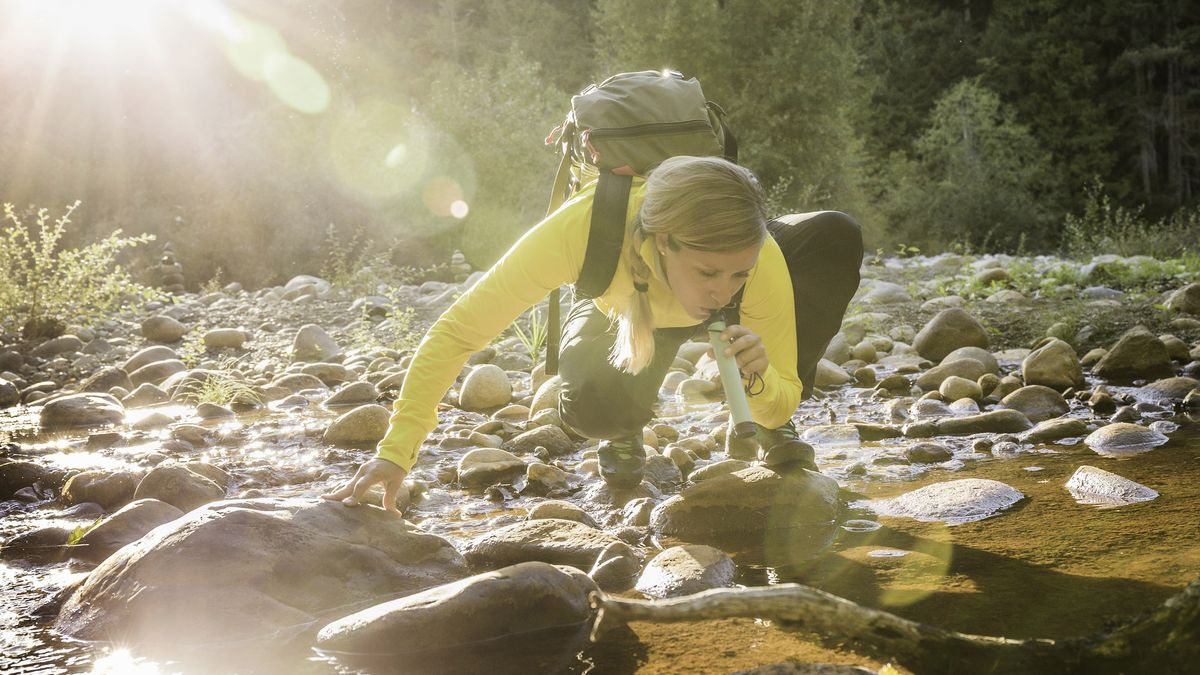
[697, 239]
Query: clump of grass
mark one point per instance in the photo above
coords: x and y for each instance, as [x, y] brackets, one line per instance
[533, 338]
[222, 387]
[1105, 227]
[80, 530]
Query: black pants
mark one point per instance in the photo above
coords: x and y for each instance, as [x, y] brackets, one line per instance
[823, 251]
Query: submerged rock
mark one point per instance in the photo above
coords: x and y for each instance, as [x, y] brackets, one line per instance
[82, 410]
[1124, 439]
[1090, 485]
[241, 568]
[551, 540]
[953, 502]
[754, 507]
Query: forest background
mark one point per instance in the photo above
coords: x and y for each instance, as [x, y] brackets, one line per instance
[269, 138]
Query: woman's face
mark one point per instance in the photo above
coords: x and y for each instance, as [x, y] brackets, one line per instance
[704, 281]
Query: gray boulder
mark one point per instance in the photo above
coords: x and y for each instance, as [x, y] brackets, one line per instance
[1171, 389]
[178, 486]
[312, 343]
[1137, 354]
[156, 373]
[163, 329]
[362, 426]
[487, 386]
[149, 355]
[1186, 299]
[683, 570]
[952, 502]
[482, 467]
[979, 354]
[557, 508]
[9, 394]
[1090, 485]
[966, 368]
[249, 567]
[1056, 429]
[551, 540]
[63, 344]
[992, 422]
[791, 515]
[145, 394]
[948, 330]
[1124, 439]
[355, 393]
[81, 410]
[1054, 364]
[110, 489]
[1037, 402]
[475, 624]
[105, 379]
[130, 523]
[928, 453]
[554, 439]
[224, 338]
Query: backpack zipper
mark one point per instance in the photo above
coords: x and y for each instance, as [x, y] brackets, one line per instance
[650, 129]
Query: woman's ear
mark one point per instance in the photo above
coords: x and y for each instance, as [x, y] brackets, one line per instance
[662, 243]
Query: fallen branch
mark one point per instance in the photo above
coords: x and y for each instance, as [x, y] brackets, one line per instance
[1164, 640]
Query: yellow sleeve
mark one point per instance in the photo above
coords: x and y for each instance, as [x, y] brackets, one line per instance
[546, 257]
[769, 310]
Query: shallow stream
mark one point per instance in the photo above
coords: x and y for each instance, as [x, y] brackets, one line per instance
[1049, 567]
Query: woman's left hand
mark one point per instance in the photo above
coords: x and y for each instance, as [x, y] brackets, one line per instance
[747, 347]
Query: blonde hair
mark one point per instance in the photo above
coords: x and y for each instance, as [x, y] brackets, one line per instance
[700, 203]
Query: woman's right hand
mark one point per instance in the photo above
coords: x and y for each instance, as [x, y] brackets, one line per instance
[354, 491]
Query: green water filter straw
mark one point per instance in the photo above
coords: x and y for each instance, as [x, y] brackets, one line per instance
[731, 379]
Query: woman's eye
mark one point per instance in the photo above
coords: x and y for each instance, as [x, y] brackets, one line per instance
[707, 275]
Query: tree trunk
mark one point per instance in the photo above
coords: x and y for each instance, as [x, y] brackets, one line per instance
[1164, 640]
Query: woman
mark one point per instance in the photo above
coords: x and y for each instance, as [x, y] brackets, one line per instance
[696, 236]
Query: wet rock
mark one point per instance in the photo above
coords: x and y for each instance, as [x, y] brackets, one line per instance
[1090, 485]
[312, 343]
[550, 437]
[1054, 364]
[928, 453]
[976, 353]
[248, 567]
[1123, 439]
[1177, 350]
[63, 344]
[552, 540]
[212, 411]
[829, 374]
[1102, 403]
[81, 410]
[110, 489]
[993, 422]
[295, 382]
[745, 506]
[546, 397]
[163, 329]
[355, 393]
[42, 544]
[156, 372]
[363, 426]
[721, 468]
[544, 479]
[10, 395]
[616, 567]
[563, 510]
[1186, 299]
[965, 368]
[472, 618]
[929, 409]
[155, 420]
[954, 388]
[1169, 390]
[683, 570]
[487, 466]
[1054, 430]
[948, 330]
[662, 472]
[487, 386]
[18, 474]
[105, 379]
[952, 502]
[1139, 354]
[1037, 402]
[130, 523]
[178, 486]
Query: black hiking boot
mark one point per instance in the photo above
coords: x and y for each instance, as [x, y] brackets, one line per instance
[782, 449]
[622, 463]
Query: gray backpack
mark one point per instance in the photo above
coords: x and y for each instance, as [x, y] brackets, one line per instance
[622, 127]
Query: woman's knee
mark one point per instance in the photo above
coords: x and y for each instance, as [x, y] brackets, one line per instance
[598, 411]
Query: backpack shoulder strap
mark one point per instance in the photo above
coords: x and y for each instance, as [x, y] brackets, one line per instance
[605, 236]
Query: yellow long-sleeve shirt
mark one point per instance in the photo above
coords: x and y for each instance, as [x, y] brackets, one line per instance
[551, 255]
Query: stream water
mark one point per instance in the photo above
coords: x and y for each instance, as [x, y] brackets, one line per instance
[1049, 567]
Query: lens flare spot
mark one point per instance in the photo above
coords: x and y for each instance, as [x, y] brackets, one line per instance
[441, 194]
[459, 209]
[396, 156]
[378, 151]
[251, 45]
[296, 83]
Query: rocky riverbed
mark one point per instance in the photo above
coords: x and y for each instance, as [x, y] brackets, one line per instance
[1007, 446]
